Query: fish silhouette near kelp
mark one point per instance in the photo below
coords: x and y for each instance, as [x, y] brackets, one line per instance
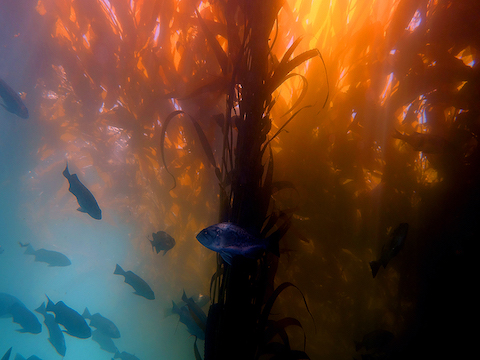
[56, 337]
[102, 324]
[162, 241]
[71, 320]
[52, 258]
[12, 102]
[141, 287]
[391, 248]
[85, 198]
[231, 240]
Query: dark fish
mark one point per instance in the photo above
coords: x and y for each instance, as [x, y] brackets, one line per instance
[377, 339]
[12, 102]
[187, 319]
[52, 258]
[25, 318]
[230, 240]
[7, 354]
[135, 281]
[85, 198]
[56, 334]
[197, 313]
[427, 143]
[105, 342]
[162, 241]
[200, 299]
[104, 325]
[390, 249]
[73, 322]
[10, 306]
[23, 245]
[125, 356]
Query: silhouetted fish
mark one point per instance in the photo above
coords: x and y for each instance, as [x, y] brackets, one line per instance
[125, 356]
[10, 306]
[187, 319]
[230, 240]
[102, 324]
[135, 281]
[200, 299]
[85, 198]
[162, 241]
[105, 342]
[7, 354]
[56, 334]
[23, 245]
[73, 322]
[52, 258]
[390, 249]
[12, 102]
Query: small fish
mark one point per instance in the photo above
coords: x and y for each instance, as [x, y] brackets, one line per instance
[125, 356]
[390, 249]
[105, 342]
[73, 322]
[200, 299]
[85, 198]
[427, 143]
[102, 324]
[12, 102]
[162, 241]
[25, 318]
[187, 319]
[230, 240]
[52, 258]
[24, 245]
[56, 337]
[377, 339]
[135, 281]
[7, 354]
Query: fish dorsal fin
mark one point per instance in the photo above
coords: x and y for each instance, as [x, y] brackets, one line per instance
[81, 210]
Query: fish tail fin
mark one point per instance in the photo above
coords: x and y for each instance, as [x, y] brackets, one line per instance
[119, 270]
[50, 304]
[41, 309]
[30, 250]
[184, 296]
[66, 173]
[86, 314]
[374, 265]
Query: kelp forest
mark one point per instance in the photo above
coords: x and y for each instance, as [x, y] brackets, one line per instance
[342, 135]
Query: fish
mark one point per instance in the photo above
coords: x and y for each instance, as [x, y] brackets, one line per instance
[162, 241]
[106, 343]
[187, 319]
[71, 320]
[10, 306]
[200, 299]
[25, 318]
[391, 248]
[135, 281]
[56, 337]
[12, 102]
[7, 354]
[377, 339]
[52, 258]
[197, 313]
[427, 143]
[85, 198]
[125, 356]
[24, 245]
[104, 325]
[231, 240]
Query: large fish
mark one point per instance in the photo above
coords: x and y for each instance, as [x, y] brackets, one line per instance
[10, 306]
[135, 281]
[187, 319]
[125, 356]
[106, 343]
[12, 102]
[391, 248]
[231, 240]
[85, 198]
[162, 241]
[73, 322]
[102, 324]
[56, 334]
[7, 354]
[52, 258]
